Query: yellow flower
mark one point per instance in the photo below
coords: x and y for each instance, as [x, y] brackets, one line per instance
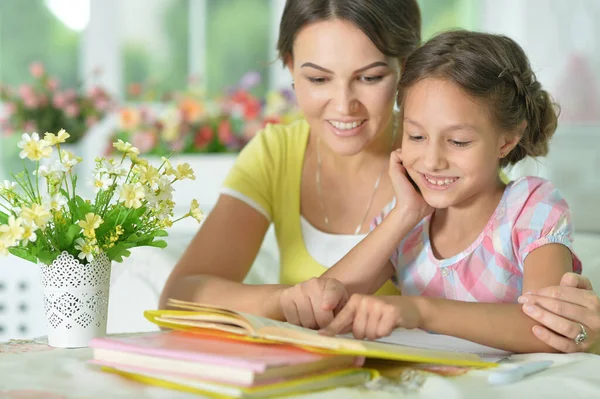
[60, 137]
[132, 195]
[3, 248]
[37, 214]
[195, 211]
[33, 148]
[184, 171]
[56, 202]
[150, 175]
[169, 171]
[12, 231]
[90, 224]
[126, 148]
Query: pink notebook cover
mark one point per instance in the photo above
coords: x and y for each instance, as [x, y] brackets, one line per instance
[210, 350]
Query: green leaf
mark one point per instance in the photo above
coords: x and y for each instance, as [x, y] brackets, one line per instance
[82, 208]
[46, 257]
[158, 244]
[160, 233]
[23, 253]
[66, 241]
[3, 218]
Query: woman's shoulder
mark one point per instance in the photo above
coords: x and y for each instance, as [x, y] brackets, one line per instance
[290, 135]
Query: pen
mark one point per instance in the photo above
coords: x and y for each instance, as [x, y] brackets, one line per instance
[517, 373]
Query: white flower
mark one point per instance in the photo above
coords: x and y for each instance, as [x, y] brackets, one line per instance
[33, 148]
[12, 231]
[8, 185]
[132, 195]
[195, 211]
[150, 197]
[68, 159]
[28, 234]
[60, 137]
[53, 170]
[86, 248]
[56, 202]
[165, 190]
[100, 183]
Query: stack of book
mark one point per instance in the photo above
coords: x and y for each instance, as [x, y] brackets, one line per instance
[223, 353]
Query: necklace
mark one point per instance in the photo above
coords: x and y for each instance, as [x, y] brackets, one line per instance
[320, 191]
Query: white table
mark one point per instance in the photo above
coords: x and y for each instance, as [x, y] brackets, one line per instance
[31, 369]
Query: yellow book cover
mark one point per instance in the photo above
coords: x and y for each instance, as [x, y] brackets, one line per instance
[239, 325]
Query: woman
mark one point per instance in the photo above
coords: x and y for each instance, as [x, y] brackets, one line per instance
[320, 181]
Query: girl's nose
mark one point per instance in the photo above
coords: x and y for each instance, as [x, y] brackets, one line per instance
[435, 158]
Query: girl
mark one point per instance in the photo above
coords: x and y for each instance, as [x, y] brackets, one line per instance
[467, 246]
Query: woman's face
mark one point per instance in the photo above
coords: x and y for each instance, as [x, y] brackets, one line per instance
[345, 86]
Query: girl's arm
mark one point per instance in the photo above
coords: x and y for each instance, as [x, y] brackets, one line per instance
[214, 265]
[367, 266]
[502, 325]
[499, 325]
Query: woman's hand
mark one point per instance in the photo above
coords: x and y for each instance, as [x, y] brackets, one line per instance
[407, 195]
[313, 303]
[562, 311]
[373, 317]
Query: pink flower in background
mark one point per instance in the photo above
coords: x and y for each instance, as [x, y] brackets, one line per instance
[178, 145]
[9, 108]
[59, 100]
[70, 94]
[91, 120]
[26, 91]
[30, 126]
[203, 136]
[250, 80]
[144, 141]
[53, 84]
[37, 70]
[72, 110]
[101, 104]
[30, 102]
[43, 100]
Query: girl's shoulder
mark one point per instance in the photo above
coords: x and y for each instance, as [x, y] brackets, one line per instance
[531, 202]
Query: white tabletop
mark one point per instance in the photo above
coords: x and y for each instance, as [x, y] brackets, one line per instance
[31, 369]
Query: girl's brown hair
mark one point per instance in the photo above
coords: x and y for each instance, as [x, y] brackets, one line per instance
[493, 68]
[394, 26]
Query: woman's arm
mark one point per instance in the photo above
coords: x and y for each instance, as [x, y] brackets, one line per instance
[561, 309]
[214, 265]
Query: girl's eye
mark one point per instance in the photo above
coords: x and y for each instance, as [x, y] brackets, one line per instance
[460, 143]
[371, 79]
[317, 80]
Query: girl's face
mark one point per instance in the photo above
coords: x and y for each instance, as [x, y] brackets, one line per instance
[450, 146]
[345, 86]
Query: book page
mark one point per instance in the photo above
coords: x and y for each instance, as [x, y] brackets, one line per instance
[423, 339]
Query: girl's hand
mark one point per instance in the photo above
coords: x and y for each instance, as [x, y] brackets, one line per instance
[373, 317]
[561, 309]
[313, 303]
[406, 193]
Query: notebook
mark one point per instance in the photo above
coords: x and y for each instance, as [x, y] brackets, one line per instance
[323, 381]
[206, 318]
[213, 358]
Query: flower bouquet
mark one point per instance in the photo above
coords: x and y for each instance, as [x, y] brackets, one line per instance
[74, 240]
[43, 105]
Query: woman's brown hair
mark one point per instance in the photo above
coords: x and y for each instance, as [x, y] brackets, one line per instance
[493, 68]
[394, 26]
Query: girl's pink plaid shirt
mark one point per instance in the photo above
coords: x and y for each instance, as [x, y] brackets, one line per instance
[530, 214]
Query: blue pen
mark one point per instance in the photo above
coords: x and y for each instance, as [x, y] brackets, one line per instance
[517, 373]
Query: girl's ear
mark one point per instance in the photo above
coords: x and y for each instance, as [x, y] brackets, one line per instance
[508, 141]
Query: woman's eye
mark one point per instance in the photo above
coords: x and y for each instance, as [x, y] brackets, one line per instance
[317, 80]
[371, 79]
[415, 137]
[460, 143]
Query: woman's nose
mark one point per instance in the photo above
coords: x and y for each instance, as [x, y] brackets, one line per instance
[345, 101]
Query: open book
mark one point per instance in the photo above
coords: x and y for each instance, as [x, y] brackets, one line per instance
[208, 318]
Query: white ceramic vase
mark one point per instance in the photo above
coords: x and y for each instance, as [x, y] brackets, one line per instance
[75, 299]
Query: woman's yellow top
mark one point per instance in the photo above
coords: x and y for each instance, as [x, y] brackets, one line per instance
[268, 172]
